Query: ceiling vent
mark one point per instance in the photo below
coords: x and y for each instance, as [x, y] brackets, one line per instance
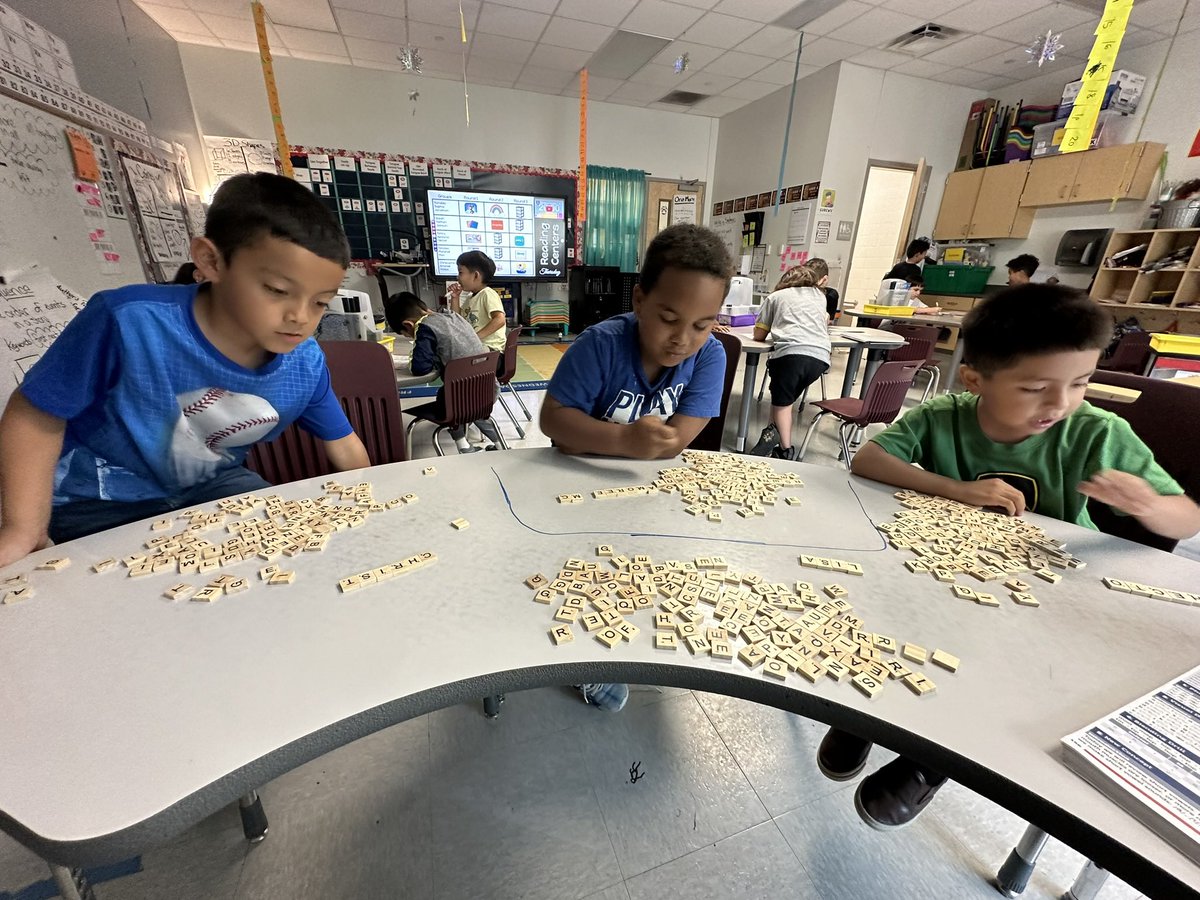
[924, 38]
[684, 98]
[804, 12]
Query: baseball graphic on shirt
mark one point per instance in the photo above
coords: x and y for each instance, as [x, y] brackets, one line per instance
[213, 422]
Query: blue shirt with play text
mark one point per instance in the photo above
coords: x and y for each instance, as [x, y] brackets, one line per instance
[602, 374]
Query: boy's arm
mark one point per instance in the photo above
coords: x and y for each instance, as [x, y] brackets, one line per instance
[495, 323]
[574, 431]
[30, 444]
[347, 453]
[873, 462]
[766, 315]
[424, 354]
[1174, 516]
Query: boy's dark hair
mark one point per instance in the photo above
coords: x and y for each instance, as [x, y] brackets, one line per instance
[478, 261]
[1029, 320]
[688, 247]
[819, 266]
[1026, 262]
[916, 280]
[920, 245]
[247, 207]
[185, 274]
[403, 306]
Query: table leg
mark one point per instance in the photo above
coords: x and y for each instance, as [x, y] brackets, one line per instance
[852, 361]
[747, 399]
[955, 361]
[71, 883]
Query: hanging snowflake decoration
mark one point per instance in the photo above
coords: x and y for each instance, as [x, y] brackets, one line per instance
[410, 59]
[681, 64]
[1044, 48]
[413, 97]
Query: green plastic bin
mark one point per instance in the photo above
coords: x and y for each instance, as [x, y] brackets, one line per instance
[956, 279]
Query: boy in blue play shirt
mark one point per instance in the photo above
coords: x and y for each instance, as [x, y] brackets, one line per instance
[644, 384]
[152, 395]
[1021, 438]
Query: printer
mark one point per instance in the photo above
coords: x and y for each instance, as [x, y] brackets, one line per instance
[348, 318]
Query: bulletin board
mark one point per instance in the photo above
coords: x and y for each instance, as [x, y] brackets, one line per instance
[381, 199]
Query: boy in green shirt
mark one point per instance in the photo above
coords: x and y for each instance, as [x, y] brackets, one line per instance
[1022, 439]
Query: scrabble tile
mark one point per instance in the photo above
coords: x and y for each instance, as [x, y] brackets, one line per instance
[945, 660]
[665, 640]
[868, 684]
[562, 634]
[919, 684]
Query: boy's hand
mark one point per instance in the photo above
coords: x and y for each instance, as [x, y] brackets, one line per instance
[991, 492]
[453, 289]
[650, 438]
[1120, 490]
[16, 544]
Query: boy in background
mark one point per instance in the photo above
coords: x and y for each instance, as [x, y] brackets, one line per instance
[152, 395]
[437, 339]
[1021, 269]
[915, 289]
[1021, 438]
[479, 304]
[832, 299]
[645, 383]
[909, 268]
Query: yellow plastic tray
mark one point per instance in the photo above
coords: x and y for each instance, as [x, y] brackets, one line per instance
[1177, 344]
[388, 341]
[895, 312]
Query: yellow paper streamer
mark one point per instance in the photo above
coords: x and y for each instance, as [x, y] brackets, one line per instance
[1085, 111]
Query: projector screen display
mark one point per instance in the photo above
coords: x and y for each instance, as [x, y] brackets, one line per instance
[526, 236]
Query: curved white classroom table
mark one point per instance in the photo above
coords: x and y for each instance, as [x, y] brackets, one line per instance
[129, 718]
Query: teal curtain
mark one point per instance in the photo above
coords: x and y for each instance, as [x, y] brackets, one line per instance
[616, 208]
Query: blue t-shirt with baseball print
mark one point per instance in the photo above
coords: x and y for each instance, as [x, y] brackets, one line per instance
[153, 408]
[602, 374]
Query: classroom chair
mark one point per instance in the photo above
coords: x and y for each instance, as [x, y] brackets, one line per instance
[711, 435]
[1131, 354]
[469, 392]
[882, 403]
[364, 381]
[505, 378]
[921, 345]
[1167, 418]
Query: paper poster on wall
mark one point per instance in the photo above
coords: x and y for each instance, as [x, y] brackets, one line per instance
[34, 309]
[344, 164]
[683, 209]
[443, 171]
[371, 166]
[664, 213]
[794, 194]
[318, 160]
[821, 234]
[393, 167]
[828, 196]
[461, 173]
[418, 168]
[229, 156]
[797, 233]
[845, 230]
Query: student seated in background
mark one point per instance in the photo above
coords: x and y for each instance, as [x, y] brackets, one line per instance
[1022, 438]
[909, 268]
[795, 317]
[1021, 269]
[915, 289]
[152, 395]
[438, 337]
[479, 304]
[644, 384]
[832, 298]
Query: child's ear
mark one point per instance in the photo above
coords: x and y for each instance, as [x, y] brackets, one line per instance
[207, 258]
[971, 378]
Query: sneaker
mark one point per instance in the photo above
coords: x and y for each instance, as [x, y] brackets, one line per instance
[491, 447]
[788, 453]
[841, 755]
[768, 440]
[608, 697]
[469, 449]
[895, 795]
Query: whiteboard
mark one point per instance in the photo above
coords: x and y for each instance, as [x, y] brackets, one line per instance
[729, 229]
[44, 219]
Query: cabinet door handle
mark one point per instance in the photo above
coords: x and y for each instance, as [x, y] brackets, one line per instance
[1062, 192]
[1075, 190]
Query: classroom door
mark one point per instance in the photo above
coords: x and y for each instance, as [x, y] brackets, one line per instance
[660, 207]
[890, 200]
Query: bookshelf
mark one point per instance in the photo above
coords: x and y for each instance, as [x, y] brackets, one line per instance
[1165, 295]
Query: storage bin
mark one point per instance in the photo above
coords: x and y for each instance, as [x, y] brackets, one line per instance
[1176, 344]
[894, 312]
[1180, 213]
[956, 279]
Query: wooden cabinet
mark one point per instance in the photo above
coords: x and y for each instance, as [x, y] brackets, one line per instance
[984, 203]
[1124, 172]
[1160, 298]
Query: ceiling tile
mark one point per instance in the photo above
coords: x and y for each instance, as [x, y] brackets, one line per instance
[560, 57]
[1056, 17]
[653, 73]
[968, 49]
[639, 93]
[491, 82]
[877, 27]
[361, 49]
[699, 55]
[442, 62]
[598, 88]
[542, 6]
[173, 19]
[492, 46]
[511, 22]
[981, 15]
[781, 72]
[741, 65]
[494, 69]
[718, 106]
[771, 41]
[178, 4]
[610, 12]
[238, 9]
[249, 47]
[1160, 15]
[825, 51]
[307, 41]
[314, 14]
[924, 10]
[661, 19]
[205, 40]
[707, 83]
[921, 68]
[880, 59]
[1134, 37]
[751, 90]
[382, 7]
[842, 14]
[719, 30]
[1013, 62]
[343, 59]
[228, 29]
[574, 34]
[440, 12]
[758, 10]
[699, 4]
[435, 37]
[373, 26]
[546, 78]
[980, 80]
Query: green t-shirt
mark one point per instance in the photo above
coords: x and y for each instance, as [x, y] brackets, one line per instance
[943, 436]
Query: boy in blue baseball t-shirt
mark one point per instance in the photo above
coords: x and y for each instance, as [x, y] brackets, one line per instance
[152, 395]
[644, 384]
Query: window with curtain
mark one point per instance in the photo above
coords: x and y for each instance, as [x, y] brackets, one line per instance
[616, 206]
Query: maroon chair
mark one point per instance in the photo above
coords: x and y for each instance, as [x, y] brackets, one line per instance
[506, 376]
[711, 436]
[469, 392]
[920, 347]
[364, 380]
[1131, 354]
[882, 403]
